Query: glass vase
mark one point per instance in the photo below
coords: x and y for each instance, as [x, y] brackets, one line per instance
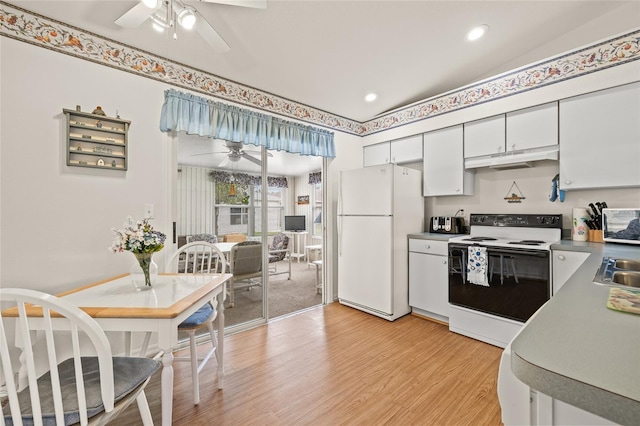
[144, 272]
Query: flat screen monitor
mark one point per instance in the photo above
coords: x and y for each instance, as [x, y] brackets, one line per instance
[295, 223]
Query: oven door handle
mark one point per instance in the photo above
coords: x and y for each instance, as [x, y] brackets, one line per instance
[524, 252]
[501, 250]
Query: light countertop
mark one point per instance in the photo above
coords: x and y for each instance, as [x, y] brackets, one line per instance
[433, 236]
[577, 350]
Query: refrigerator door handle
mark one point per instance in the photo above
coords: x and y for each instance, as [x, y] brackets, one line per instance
[340, 218]
[340, 197]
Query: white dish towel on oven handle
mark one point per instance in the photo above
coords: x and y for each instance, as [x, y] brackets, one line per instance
[477, 266]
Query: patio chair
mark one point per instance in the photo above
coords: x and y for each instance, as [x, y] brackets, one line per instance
[278, 251]
[209, 238]
[246, 265]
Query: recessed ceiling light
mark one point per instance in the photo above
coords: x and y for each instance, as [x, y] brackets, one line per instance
[370, 97]
[477, 32]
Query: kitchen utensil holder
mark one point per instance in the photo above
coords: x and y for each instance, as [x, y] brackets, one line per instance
[595, 236]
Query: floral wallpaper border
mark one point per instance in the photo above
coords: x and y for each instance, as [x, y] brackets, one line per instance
[28, 27]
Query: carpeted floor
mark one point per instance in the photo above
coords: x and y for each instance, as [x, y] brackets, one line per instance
[285, 296]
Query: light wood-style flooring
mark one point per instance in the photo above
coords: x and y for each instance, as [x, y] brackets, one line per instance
[335, 365]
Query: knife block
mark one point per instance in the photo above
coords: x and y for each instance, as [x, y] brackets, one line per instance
[595, 236]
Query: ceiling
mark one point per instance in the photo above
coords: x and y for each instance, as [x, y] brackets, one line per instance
[329, 54]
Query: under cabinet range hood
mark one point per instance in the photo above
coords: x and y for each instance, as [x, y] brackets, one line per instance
[513, 159]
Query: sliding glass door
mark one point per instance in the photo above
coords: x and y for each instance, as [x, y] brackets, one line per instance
[223, 195]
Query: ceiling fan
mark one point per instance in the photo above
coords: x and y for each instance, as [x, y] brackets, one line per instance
[235, 154]
[164, 14]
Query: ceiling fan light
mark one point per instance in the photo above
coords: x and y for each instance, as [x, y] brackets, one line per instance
[152, 4]
[186, 18]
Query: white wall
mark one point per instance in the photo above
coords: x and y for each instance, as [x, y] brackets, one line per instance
[55, 220]
[492, 186]
[348, 156]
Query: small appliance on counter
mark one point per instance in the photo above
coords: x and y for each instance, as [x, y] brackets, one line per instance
[446, 224]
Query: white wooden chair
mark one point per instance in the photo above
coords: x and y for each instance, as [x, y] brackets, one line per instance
[198, 257]
[47, 377]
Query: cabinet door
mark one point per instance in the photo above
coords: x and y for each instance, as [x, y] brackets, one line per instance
[428, 283]
[443, 164]
[600, 139]
[406, 150]
[484, 137]
[565, 264]
[377, 154]
[533, 127]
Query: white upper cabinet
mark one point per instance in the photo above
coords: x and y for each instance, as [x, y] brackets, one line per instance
[374, 155]
[484, 137]
[405, 150]
[443, 170]
[532, 127]
[600, 139]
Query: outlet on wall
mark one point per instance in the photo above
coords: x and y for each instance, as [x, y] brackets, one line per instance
[148, 211]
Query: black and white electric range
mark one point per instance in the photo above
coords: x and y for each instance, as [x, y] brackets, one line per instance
[500, 273]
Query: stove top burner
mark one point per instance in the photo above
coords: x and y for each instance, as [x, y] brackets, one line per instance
[528, 242]
[480, 239]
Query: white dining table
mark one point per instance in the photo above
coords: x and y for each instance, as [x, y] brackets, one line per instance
[225, 248]
[117, 306]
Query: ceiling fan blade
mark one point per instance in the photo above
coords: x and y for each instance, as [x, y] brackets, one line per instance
[135, 16]
[258, 152]
[252, 159]
[210, 35]
[210, 153]
[256, 4]
[224, 162]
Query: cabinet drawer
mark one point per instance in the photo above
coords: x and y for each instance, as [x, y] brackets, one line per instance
[428, 246]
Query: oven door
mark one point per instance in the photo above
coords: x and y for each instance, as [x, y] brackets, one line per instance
[519, 281]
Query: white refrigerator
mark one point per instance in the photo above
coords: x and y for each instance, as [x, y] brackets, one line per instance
[378, 206]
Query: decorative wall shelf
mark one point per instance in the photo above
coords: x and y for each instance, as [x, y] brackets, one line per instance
[96, 141]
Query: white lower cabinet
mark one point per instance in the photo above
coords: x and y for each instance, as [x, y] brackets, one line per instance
[429, 278]
[564, 264]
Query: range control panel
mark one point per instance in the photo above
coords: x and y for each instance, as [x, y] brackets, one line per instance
[517, 220]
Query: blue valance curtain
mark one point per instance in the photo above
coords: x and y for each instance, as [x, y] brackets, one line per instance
[183, 112]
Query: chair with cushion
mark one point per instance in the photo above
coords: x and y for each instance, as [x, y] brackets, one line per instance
[278, 251]
[197, 257]
[200, 257]
[209, 238]
[245, 263]
[69, 375]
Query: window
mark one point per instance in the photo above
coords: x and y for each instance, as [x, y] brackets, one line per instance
[275, 209]
[232, 209]
[239, 216]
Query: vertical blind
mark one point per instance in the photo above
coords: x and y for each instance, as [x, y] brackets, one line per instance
[184, 112]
